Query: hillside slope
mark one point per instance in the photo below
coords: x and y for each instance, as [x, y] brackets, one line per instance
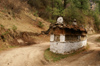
[18, 13]
[19, 24]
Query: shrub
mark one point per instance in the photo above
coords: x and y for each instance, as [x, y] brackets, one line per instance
[40, 24]
[96, 18]
[14, 28]
[1, 26]
[5, 33]
[52, 21]
[36, 14]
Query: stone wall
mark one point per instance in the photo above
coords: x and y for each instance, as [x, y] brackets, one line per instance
[64, 47]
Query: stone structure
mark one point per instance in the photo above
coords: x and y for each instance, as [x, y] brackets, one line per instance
[67, 38]
[60, 20]
[74, 22]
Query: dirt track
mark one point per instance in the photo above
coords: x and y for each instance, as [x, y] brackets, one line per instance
[33, 56]
[26, 56]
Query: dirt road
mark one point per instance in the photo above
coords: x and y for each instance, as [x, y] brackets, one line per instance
[33, 56]
[26, 56]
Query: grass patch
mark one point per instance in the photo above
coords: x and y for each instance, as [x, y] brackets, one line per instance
[87, 47]
[4, 47]
[40, 24]
[98, 39]
[14, 28]
[53, 57]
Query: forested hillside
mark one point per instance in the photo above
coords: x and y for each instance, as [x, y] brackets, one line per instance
[86, 12]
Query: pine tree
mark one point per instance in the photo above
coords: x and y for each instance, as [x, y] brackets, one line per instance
[82, 4]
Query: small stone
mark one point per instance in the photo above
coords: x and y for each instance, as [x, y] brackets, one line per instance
[6, 44]
[20, 41]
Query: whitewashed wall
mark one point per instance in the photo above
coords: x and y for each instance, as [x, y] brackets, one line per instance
[64, 47]
[52, 37]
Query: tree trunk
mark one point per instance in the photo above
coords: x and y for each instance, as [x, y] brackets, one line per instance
[65, 4]
[81, 4]
[52, 7]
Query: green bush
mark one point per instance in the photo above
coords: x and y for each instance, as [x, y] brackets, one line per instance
[97, 22]
[5, 33]
[36, 14]
[40, 24]
[14, 28]
[96, 18]
[52, 21]
[1, 26]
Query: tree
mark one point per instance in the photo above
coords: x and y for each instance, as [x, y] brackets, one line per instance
[82, 4]
[98, 1]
